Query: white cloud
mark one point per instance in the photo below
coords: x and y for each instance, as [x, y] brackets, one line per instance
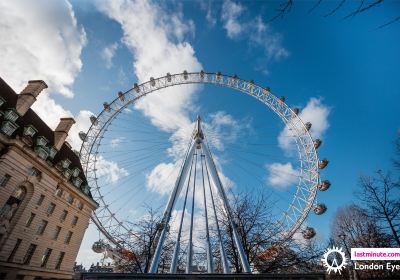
[107, 54]
[111, 171]
[210, 12]
[40, 40]
[231, 11]
[256, 32]
[315, 112]
[281, 175]
[114, 143]
[263, 36]
[156, 39]
[162, 178]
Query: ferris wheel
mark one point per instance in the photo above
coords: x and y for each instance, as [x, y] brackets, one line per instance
[111, 172]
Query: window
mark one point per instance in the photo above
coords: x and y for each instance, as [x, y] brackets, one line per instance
[59, 192]
[63, 215]
[68, 237]
[52, 152]
[34, 172]
[51, 208]
[30, 219]
[42, 227]
[29, 253]
[11, 257]
[46, 257]
[41, 141]
[8, 127]
[74, 221]
[59, 260]
[40, 201]
[80, 205]
[11, 114]
[30, 130]
[4, 180]
[67, 173]
[56, 232]
[70, 199]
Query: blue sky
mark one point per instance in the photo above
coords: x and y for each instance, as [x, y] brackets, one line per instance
[92, 50]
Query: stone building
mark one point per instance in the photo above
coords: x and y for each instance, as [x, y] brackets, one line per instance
[45, 202]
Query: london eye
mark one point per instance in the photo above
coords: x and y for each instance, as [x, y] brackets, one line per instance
[193, 173]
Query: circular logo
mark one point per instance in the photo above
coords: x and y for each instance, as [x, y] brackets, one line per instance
[334, 259]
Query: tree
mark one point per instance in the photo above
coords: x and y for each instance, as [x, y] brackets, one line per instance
[380, 194]
[258, 232]
[144, 233]
[353, 227]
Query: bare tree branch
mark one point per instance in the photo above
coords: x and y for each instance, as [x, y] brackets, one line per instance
[284, 9]
[359, 10]
[335, 9]
[314, 7]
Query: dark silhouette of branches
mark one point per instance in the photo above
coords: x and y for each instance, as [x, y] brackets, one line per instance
[390, 22]
[335, 9]
[380, 194]
[361, 10]
[314, 7]
[284, 8]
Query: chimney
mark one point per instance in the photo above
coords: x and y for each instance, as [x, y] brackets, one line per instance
[61, 132]
[28, 96]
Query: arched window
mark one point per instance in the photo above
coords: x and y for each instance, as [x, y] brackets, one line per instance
[20, 193]
[9, 209]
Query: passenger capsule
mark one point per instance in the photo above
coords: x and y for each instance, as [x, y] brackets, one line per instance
[152, 82]
[218, 75]
[324, 185]
[93, 120]
[282, 99]
[266, 91]
[323, 163]
[185, 75]
[320, 209]
[202, 74]
[309, 233]
[296, 110]
[106, 107]
[235, 77]
[82, 136]
[121, 96]
[99, 247]
[317, 143]
[136, 87]
[169, 77]
[308, 126]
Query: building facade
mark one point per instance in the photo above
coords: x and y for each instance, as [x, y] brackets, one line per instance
[45, 202]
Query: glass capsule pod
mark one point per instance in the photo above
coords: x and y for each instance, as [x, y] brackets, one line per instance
[121, 96]
[324, 185]
[106, 107]
[317, 143]
[308, 126]
[99, 247]
[309, 233]
[136, 87]
[82, 135]
[322, 163]
[93, 120]
[320, 209]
